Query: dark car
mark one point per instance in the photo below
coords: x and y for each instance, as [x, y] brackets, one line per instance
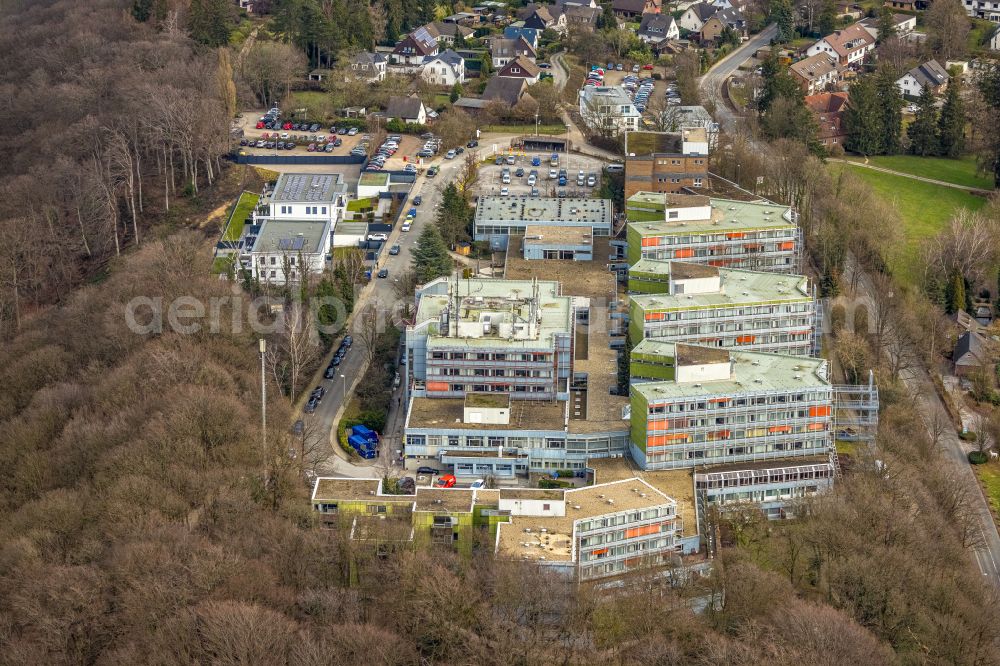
[519, 172]
[333, 129]
[337, 143]
[348, 341]
[472, 144]
[314, 127]
[384, 273]
[289, 145]
[459, 150]
[342, 130]
[299, 427]
[498, 161]
[428, 470]
[417, 200]
[311, 405]
[318, 393]
[394, 250]
[336, 361]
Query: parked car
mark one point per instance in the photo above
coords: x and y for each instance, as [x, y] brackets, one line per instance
[314, 127]
[498, 161]
[311, 147]
[417, 200]
[591, 180]
[352, 131]
[472, 144]
[536, 161]
[433, 171]
[318, 393]
[647, 67]
[311, 406]
[510, 159]
[378, 237]
[504, 191]
[331, 371]
[478, 483]
[450, 155]
[394, 250]
[384, 273]
[348, 341]
[406, 226]
[410, 168]
[519, 173]
[433, 471]
[446, 481]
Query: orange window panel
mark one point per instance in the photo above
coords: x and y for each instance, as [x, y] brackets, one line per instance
[658, 425]
[734, 234]
[780, 429]
[645, 530]
[786, 245]
[819, 411]
[650, 241]
[817, 426]
[684, 253]
[437, 386]
[745, 339]
[599, 552]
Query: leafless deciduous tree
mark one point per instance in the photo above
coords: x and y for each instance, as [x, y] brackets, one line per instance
[968, 246]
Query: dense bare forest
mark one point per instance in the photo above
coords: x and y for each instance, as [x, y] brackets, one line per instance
[108, 122]
[143, 521]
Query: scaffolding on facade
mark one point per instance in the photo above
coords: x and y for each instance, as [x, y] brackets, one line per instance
[855, 413]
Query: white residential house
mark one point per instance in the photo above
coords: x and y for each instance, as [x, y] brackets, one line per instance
[928, 75]
[445, 69]
[696, 15]
[609, 110]
[903, 24]
[848, 46]
[521, 68]
[983, 9]
[658, 28]
[503, 50]
[995, 40]
[370, 66]
[407, 109]
[283, 250]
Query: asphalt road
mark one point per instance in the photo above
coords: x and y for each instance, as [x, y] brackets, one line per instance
[711, 82]
[953, 452]
[381, 292]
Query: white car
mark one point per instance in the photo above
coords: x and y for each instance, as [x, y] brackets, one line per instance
[450, 155]
[504, 191]
[378, 237]
[553, 174]
[406, 225]
[478, 483]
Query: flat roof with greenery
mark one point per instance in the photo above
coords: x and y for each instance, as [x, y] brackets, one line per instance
[244, 206]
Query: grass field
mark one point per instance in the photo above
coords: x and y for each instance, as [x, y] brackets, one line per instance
[960, 172]
[989, 476]
[923, 207]
[526, 129]
[234, 228]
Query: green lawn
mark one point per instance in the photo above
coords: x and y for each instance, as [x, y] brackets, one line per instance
[221, 265]
[960, 172]
[989, 476]
[244, 205]
[923, 207]
[979, 34]
[526, 129]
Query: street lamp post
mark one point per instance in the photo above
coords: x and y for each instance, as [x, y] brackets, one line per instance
[263, 395]
[344, 378]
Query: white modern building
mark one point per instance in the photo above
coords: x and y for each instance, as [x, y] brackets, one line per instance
[497, 218]
[281, 251]
[609, 109]
[305, 196]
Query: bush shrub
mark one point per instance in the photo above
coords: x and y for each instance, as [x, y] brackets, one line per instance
[978, 457]
[553, 483]
[967, 436]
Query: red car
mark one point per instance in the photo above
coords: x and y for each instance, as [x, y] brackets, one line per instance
[260, 124]
[446, 481]
[647, 67]
[311, 148]
[287, 125]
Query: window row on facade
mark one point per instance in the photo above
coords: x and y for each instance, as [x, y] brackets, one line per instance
[741, 401]
[533, 357]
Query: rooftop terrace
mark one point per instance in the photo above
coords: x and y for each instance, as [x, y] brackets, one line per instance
[726, 216]
[739, 287]
[751, 372]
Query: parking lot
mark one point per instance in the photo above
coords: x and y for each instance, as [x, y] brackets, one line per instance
[491, 176]
[301, 138]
